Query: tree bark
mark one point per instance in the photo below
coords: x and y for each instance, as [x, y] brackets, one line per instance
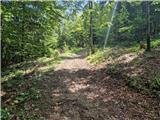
[148, 27]
[91, 27]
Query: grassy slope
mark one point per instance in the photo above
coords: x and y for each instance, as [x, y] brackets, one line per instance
[140, 69]
[116, 49]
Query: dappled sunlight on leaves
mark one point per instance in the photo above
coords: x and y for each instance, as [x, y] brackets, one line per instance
[75, 86]
[126, 58]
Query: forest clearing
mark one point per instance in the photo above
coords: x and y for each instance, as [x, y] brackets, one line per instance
[80, 60]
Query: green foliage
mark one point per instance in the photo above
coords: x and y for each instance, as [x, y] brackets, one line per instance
[35, 29]
[53, 53]
[155, 43]
[99, 56]
[156, 83]
[134, 48]
[114, 50]
[5, 114]
[134, 82]
[76, 50]
[28, 29]
[32, 93]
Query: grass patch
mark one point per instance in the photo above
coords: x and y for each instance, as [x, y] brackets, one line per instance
[155, 83]
[110, 54]
[76, 50]
[155, 43]
[99, 56]
[116, 49]
[72, 52]
[26, 67]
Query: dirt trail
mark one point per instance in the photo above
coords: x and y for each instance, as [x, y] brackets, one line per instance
[75, 62]
[76, 91]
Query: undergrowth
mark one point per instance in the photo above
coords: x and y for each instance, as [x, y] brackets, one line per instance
[115, 49]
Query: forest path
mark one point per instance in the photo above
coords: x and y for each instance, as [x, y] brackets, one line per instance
[77, 91]
[74, 62]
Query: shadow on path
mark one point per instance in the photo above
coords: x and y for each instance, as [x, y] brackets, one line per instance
[75, 91]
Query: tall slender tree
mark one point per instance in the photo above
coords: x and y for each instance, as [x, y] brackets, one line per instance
[91, 26]
[148, 27]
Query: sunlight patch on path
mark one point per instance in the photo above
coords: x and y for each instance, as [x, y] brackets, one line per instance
[74, 63]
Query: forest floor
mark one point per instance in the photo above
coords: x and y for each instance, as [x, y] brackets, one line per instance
[77, 90]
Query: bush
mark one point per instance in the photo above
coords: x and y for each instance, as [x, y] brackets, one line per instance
[155, 43]
[98, 57]
[54, 53]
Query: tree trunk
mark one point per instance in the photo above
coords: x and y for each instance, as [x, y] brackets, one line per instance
[91, 27]
[148, 27]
